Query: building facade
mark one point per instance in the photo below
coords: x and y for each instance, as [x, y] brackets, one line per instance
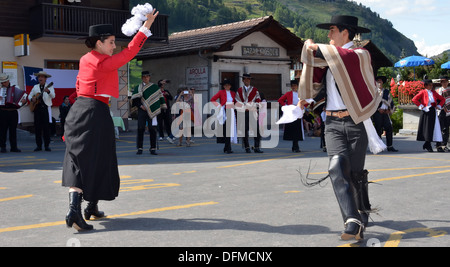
[202, 58]
[52, 30]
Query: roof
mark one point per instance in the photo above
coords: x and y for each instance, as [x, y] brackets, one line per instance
[378, 58]
[222, 37]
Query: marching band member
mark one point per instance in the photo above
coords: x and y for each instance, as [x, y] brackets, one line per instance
[90, 165]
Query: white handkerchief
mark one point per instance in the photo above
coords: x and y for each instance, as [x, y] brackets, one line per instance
[291, 113]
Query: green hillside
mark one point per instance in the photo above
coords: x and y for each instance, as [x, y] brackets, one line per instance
[300, 16]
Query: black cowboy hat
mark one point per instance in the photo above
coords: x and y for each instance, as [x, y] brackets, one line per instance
[383, 78]
[427, 81]
[99, 30]
[226, 81]
[345, 21]
[246, 76]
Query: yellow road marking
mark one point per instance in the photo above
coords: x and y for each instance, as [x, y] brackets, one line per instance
[292, 192]
[14, 198]
[395, 238]
[394, 169]
[186, 172]
[42, 225]
[409, 176]
[146, 186]
[30, 163]
[403, 157]
[136, 181]
[258, 161]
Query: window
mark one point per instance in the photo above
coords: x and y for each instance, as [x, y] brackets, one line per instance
[62, 64]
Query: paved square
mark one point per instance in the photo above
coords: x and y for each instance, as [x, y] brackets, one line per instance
[200, 197]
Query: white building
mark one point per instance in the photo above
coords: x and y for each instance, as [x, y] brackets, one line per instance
[202, 58]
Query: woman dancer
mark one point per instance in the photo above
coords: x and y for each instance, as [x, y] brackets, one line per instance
[227, 101]
[428, 100]
[90, 165]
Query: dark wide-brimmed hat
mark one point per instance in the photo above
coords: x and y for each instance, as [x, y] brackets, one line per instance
[350, 22]
[383, 78]
[99, 30]
[246, 76]
[427, 81]
[146, 73]
[226, 81]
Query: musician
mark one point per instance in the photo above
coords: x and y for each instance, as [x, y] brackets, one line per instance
[340, 68]
[90, 167]
[247, 100]
[41, 95]
[429, 101]
[9, 116]
[381, 118]
[147, 92]
[294, 130]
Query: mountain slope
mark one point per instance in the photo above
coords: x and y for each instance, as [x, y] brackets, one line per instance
[300, 16]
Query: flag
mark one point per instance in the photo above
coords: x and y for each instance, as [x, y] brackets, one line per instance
[64, 81]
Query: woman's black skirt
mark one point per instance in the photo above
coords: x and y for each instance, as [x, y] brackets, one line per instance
[90, 162]
[293, 131]
[426, 125]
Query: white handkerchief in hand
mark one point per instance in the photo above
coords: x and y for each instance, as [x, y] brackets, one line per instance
[291, 113]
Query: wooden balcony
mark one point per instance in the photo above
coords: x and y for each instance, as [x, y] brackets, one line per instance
[60, 21]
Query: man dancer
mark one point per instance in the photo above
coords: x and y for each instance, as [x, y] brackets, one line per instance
[381, 118]
[247, 100]
[349, 130]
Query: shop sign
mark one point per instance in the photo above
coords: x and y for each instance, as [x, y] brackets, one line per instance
[255, 51]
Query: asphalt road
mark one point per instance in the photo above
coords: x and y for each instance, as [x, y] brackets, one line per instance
[200, 197]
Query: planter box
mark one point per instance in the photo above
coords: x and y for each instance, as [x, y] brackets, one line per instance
[411, 116]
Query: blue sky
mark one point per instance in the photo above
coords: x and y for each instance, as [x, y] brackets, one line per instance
[426, 22]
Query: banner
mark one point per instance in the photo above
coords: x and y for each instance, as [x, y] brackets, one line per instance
[64, 81]
[10, 68]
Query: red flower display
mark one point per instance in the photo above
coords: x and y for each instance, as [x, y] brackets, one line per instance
[407, 88]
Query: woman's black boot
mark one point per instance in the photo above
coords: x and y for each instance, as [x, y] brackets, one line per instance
[92, 210]
[74, 217]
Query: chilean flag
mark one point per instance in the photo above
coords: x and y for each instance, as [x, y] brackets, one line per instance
[64, 81]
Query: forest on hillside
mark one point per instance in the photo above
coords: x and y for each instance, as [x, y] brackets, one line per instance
[300, 16]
